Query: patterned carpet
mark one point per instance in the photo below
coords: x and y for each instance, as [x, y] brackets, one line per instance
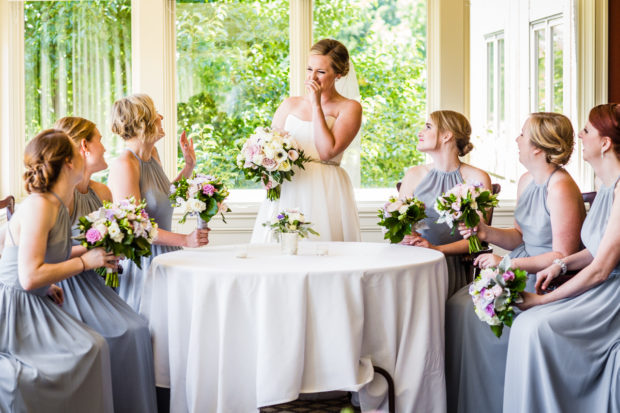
[339, 405]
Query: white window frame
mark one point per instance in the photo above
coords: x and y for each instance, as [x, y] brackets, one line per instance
[497, 124]
[547, 24]
[153, 62]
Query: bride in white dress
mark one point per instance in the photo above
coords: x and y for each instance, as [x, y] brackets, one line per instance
[324, 123]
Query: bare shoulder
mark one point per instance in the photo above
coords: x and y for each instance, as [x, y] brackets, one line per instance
[41, 206]
[126, 163]
[350, 106]
[101, 190]
[562, 186]
[472, 174]
[524, 181]
[413, 177]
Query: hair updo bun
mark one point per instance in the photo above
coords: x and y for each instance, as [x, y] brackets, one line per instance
[337, 53]
[44, 158]
[457, 123]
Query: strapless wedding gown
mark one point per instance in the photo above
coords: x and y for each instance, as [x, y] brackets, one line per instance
[322, 191]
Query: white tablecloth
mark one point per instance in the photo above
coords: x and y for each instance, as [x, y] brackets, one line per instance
[233, 334]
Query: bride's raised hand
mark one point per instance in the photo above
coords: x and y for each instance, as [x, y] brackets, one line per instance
[314, 90]
[187, 148]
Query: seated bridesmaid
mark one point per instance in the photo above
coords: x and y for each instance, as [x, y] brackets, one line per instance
[137, 172]
[548, 218]
[49, 361]
[564, 352]
[89, 300]
[445, 137]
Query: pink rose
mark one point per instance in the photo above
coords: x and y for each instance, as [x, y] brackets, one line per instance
[92, 235]
[508, 276]
[208, 190]
[293, 155]
[270, 164]
[497, 290]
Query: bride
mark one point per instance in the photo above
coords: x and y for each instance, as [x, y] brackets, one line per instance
[324, 123]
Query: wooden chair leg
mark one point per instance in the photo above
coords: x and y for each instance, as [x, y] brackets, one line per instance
[391, 391]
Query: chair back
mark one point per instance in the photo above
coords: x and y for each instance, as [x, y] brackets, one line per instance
[9, 204]
[588, 197]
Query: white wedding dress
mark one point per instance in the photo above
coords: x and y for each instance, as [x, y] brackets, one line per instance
[322, 191]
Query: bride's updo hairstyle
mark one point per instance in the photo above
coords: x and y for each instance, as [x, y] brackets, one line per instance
[553, 134]
[134, 117]
[606, 120]
[77, 128]
[337, 53]
[44, 157]
[458, 125]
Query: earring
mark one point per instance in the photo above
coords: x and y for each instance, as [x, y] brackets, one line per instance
[86, 153]
[602, 153]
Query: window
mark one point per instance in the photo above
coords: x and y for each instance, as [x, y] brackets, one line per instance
[495, 83]
[528, 68]
[547, 65]
[387, 44]
[77, 62]
[232, 73]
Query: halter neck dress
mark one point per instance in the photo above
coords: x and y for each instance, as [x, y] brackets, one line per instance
[434, 184]
[322, 191]
[475, 357]
[49, 361]
[565, 356]
[154, 188]
[88, 299]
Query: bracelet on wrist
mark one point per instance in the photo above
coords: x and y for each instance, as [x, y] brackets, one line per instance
[83, 263]
[562, 264]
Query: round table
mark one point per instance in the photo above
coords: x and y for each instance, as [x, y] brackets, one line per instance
[239, 327]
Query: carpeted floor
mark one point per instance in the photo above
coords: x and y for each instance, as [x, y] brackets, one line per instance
[339, 405]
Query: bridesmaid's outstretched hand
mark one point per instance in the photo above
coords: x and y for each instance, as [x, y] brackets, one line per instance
[56, 294]
[544, 277]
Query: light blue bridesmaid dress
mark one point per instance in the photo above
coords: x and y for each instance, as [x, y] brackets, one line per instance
[155, 189]
[88, 299]
[49, 361]
[565, 356]
[475, 357]
[432, 186]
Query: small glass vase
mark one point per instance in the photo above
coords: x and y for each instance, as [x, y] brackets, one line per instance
[288, 242]
[201, 223]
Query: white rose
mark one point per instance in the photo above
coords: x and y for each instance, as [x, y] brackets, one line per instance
[196, 205]
[258, 159]
[115, 232]
[403, 209]
[103, 230]
[394, 206]
[269, 152]
[295, 216]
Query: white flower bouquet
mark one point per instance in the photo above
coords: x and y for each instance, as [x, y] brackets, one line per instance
[123, 228]
[463, 203]
[201, 195]
[268, 156]
[493, 292]
[401, 217]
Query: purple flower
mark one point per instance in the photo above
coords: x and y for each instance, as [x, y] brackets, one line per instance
[281, 216]
[208, 190]
[109, 214]
[490, 310]
[508, 276]
[92, 235]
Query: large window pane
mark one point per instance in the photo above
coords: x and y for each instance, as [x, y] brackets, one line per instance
[500, 63]
[387, 44]
[77, 62]
[539, 41]
[558, 69]
[490, 82]
[232, 73]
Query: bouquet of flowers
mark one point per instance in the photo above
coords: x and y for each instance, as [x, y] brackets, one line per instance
[201, 195]
[291, 221]
[493, 292]
[268, 157]
[401, 217]
[462, 204]
[123, 228]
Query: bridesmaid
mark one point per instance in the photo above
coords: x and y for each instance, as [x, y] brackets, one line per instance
[548, 217]
[564, 352]
[89, 300]
[137, 172]
[445, 138]
[49, 362]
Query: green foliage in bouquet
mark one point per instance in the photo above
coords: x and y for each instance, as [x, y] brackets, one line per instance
[400, 217]
[202, 195]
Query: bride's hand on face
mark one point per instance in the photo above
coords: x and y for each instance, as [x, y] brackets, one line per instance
[314, 90]
[187, 148]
